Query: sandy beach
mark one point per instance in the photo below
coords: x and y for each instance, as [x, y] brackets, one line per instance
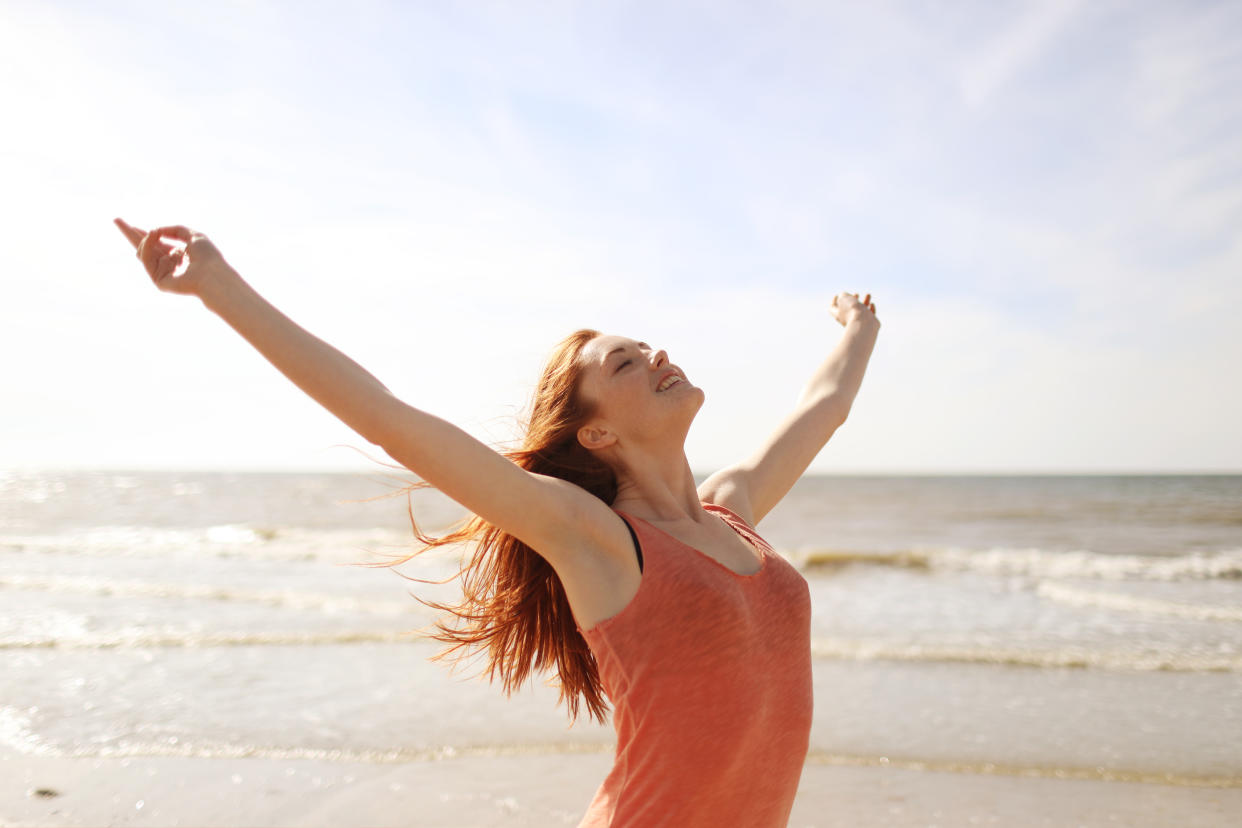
[894, 744]
[545, 790]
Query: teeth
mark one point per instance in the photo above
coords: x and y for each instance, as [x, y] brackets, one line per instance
[672, 380]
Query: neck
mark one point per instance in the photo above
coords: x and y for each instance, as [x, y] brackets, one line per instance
[659, 490]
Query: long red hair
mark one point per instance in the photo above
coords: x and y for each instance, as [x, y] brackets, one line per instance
[514, 605]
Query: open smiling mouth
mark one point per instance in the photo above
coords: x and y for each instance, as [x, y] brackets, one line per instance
[669, 383]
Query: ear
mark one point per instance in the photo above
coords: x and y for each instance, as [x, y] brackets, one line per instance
[593, 437]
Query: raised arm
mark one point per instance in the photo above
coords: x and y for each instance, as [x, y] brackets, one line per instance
[754, 486]
[334, 380]
[539, 510]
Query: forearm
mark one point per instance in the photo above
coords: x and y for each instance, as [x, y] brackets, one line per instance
[836, 382]
[338, 383]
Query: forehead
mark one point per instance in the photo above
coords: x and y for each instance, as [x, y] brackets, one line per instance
[600, 348]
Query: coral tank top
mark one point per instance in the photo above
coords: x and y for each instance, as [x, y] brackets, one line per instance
[709, 675]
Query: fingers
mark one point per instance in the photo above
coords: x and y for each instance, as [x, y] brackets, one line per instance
[168, 263]
[148, 245]
[175, 231]
[159, 258]
[864, 302]
[150, 249]
[132, 233]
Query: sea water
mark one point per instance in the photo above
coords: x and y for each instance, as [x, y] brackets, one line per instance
[1049, 625]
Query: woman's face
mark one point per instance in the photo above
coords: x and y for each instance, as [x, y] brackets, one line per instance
[623, 375]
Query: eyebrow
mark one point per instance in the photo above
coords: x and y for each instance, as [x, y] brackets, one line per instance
[622, 348]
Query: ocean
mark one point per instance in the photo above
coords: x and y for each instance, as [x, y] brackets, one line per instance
[1058, 626]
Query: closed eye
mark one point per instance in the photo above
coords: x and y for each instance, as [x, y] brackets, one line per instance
[622, 365]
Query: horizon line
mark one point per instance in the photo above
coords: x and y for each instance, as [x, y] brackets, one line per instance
[966, 472]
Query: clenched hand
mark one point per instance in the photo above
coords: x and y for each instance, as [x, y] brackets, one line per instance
[178, 268]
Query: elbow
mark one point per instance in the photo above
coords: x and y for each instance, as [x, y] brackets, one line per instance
[373, 431]
[835, 423]
[833, 410]
[387, 418]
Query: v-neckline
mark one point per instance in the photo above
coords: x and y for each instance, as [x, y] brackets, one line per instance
[763, 555]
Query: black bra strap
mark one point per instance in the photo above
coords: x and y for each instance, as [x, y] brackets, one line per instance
[637, 548]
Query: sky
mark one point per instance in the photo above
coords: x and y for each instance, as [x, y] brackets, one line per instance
[1044, 200]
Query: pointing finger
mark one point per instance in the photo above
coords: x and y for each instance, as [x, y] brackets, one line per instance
[132, 233]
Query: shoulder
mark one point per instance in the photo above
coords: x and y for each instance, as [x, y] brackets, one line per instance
[590, 531]
[728, 488]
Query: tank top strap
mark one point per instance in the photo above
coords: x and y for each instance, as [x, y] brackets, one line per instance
[735, 521]
[739, 524]
[638, 550]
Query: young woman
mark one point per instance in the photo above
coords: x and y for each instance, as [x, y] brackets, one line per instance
[597, 553]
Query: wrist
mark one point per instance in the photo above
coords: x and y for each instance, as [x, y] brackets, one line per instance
[861, 318]
[216, 292]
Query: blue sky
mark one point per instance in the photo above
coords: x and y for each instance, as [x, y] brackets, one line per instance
[1044, 200]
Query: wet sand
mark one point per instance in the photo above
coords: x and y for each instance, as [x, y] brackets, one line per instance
[546, 790]
[894, 744]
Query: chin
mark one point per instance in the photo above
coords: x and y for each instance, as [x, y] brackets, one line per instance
[698, 395]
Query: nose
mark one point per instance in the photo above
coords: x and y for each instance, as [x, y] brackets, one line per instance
[661, 358]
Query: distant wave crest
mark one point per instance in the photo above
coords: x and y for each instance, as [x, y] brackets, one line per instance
[1043, 563]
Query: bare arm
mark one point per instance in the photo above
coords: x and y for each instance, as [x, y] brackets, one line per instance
[544, 512]
[334, 380]
[754, 486]
[835, 383]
